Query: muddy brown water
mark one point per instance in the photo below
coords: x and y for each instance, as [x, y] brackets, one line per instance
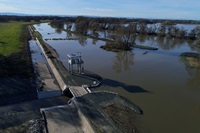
[164, 86]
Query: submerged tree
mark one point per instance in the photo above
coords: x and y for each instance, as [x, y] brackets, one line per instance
[82, 40]
[123, 37]
[152, 30]
[82, 25]
[161, 30]
[142, 28]
[59, 24]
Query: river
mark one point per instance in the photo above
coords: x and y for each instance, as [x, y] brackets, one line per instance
[159, 82]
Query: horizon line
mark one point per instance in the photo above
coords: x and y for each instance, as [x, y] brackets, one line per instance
[24, 14]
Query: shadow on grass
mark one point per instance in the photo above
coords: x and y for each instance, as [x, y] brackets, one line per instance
[2, 42]
[129, 88]
[16, 77]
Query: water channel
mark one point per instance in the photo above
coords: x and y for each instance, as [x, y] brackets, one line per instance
[159, 82]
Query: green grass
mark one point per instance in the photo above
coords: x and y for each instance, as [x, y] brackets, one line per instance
[11, 37]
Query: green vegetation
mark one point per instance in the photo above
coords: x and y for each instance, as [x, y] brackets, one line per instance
[11, 37]
[14, 50]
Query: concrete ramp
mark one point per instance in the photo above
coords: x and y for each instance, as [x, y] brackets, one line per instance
[78, 91]
[62, 119]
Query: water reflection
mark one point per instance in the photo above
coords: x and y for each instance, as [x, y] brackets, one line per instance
[123, 61]
[194, 79]
[142, 38]
[94, 41]
[82, 40]
[95, 33]
[105, 34]
[168, 43]
[69, 35]
[163, 43]
[192, 65]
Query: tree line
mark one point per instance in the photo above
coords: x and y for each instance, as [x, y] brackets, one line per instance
[121, 31]
[163, 28]
[7, 18]
[124, 31]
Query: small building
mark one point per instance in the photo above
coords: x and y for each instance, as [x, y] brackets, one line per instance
[75, 59]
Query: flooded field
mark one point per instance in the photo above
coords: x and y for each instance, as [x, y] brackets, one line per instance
[163, 84]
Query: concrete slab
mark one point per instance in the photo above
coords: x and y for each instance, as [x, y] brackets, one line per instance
[62, 119]
[78, 91]
[43, 70]
[49, 85]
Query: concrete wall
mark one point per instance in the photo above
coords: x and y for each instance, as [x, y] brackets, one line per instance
[59, 79]
[86, 125]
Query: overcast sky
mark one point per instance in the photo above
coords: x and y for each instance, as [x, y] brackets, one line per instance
[164, 9]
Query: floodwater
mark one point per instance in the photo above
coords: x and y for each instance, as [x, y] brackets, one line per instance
[165, 86]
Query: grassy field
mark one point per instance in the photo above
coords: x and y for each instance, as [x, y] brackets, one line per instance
[14, 49]
[11, 37]
[16, 69]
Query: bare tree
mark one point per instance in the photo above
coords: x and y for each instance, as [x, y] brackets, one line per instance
[152, 29]
[82, 25]
[196, 31]
[162, 30]
[124, 36]
[181, 33]
[142, 28]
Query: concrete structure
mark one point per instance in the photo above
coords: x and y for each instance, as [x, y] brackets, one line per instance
[84, 112]
[78, 91]
[75, 90]
[58, 77]
[75, 59]
[66, 118]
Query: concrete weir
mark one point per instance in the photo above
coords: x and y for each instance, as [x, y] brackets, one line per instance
[72, 118]
[84, 112]
[53, 68]
[75, 90]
